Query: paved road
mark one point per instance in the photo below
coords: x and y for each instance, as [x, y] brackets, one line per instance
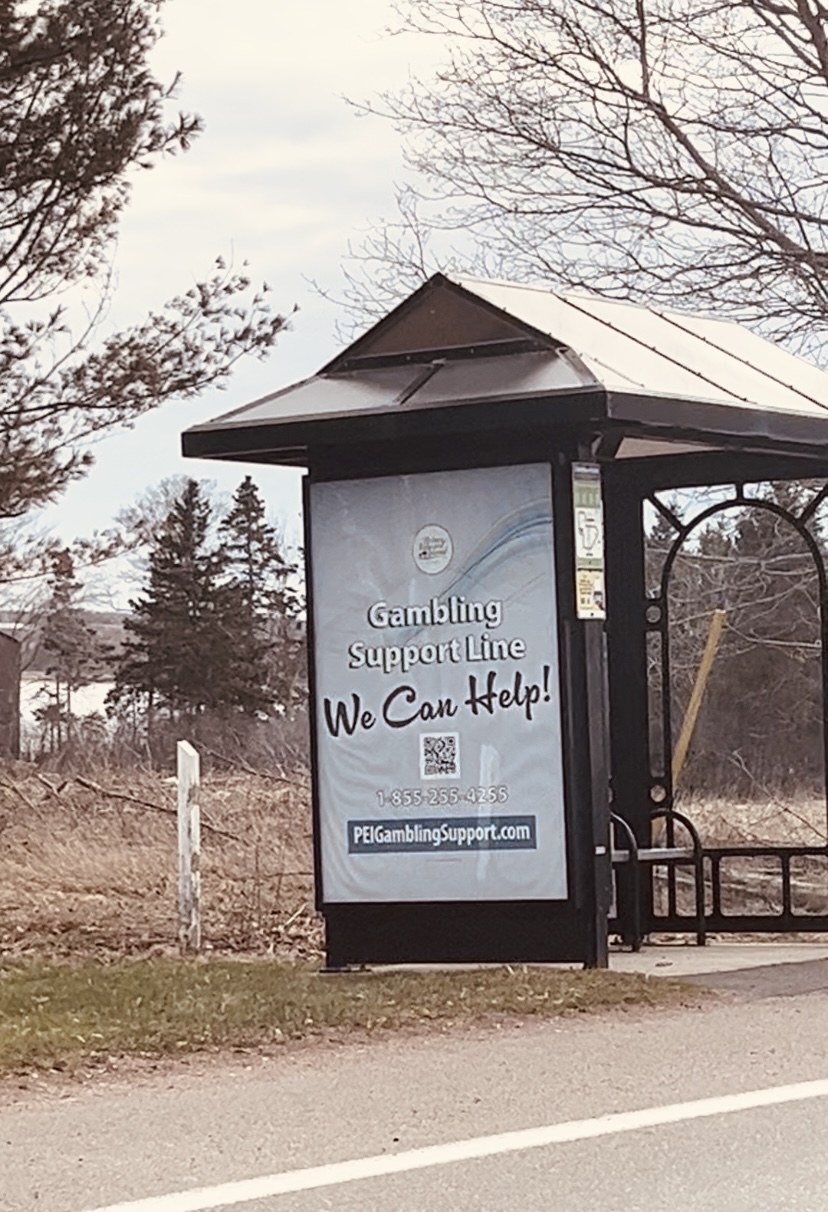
[207, 1123]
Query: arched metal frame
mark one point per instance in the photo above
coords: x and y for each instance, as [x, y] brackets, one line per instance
[662, 625]
[637, 792]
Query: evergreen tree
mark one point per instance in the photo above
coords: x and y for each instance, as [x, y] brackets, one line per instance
[187, 649]
[255, 561]
[270, 605]
[81, 112]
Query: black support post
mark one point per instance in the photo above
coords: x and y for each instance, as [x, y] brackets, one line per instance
[627, 665]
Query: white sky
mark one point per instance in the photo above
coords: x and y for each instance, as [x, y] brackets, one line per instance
[284, 174]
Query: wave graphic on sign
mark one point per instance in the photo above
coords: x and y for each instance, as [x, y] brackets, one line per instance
[522, 532]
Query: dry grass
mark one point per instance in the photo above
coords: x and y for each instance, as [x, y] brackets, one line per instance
[766, 819]
[84, 873]
[754, 885]
[60, 1016]
[88, 932]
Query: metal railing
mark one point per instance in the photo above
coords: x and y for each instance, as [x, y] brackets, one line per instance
[637, 921]
[771, 897]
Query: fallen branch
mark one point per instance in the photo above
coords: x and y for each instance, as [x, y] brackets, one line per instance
[277, 875]
[133, 799]
[55, 791]
[241, 764]
[10, 786]
[294, 916]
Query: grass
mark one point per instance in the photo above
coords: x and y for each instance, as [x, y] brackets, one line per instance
[88, 963]
[62, 1016]
[82, 873]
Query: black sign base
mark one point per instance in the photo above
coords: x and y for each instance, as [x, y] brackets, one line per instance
[497, 932]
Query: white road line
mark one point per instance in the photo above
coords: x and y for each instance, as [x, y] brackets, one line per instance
[227, 1195]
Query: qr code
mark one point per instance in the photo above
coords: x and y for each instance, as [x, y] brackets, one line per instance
[439, 755]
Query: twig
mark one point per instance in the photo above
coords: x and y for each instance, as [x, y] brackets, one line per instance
[13, 787]
[132, 799]
[241, 764]
[294, 916]
[278, 875]
[739, 762]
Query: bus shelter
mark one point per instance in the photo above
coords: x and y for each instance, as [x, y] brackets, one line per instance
[478, 469]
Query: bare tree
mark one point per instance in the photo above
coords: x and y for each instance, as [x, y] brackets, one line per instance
[674, 150]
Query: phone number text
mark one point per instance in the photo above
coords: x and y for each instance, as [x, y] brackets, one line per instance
[443, 797]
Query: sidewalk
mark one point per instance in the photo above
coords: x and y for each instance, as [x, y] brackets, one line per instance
[685, 961]
[680, 959]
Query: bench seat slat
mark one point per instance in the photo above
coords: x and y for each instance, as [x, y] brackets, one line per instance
[656, 854]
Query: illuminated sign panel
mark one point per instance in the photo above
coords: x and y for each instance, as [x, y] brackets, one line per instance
[438, 720]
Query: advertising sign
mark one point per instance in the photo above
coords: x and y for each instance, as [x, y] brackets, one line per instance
[588, 514]
[439, 757]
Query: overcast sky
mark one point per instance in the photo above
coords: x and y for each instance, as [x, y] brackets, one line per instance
[284, 174]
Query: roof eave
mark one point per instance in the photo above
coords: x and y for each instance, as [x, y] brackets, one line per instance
[706, 421]
[288, 442]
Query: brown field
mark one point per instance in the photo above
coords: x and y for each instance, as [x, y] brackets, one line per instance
[754, 885]
[774, 819]
[89, 971]
[85, 873]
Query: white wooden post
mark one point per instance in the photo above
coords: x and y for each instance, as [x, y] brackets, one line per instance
[189, 848]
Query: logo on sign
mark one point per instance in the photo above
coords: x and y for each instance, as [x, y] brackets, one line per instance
[433, 548]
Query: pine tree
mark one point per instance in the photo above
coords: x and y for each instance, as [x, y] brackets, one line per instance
[81, 112]
[270, 604]
[254, 554]
[186, 651]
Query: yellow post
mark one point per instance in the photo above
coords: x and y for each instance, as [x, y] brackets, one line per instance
[692, 714]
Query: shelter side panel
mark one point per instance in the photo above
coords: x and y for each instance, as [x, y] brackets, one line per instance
[438, 718]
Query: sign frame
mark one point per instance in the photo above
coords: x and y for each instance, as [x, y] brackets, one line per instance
[496, 931]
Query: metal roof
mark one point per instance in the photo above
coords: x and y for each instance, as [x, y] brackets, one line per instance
[666, 353]
[470, 353]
